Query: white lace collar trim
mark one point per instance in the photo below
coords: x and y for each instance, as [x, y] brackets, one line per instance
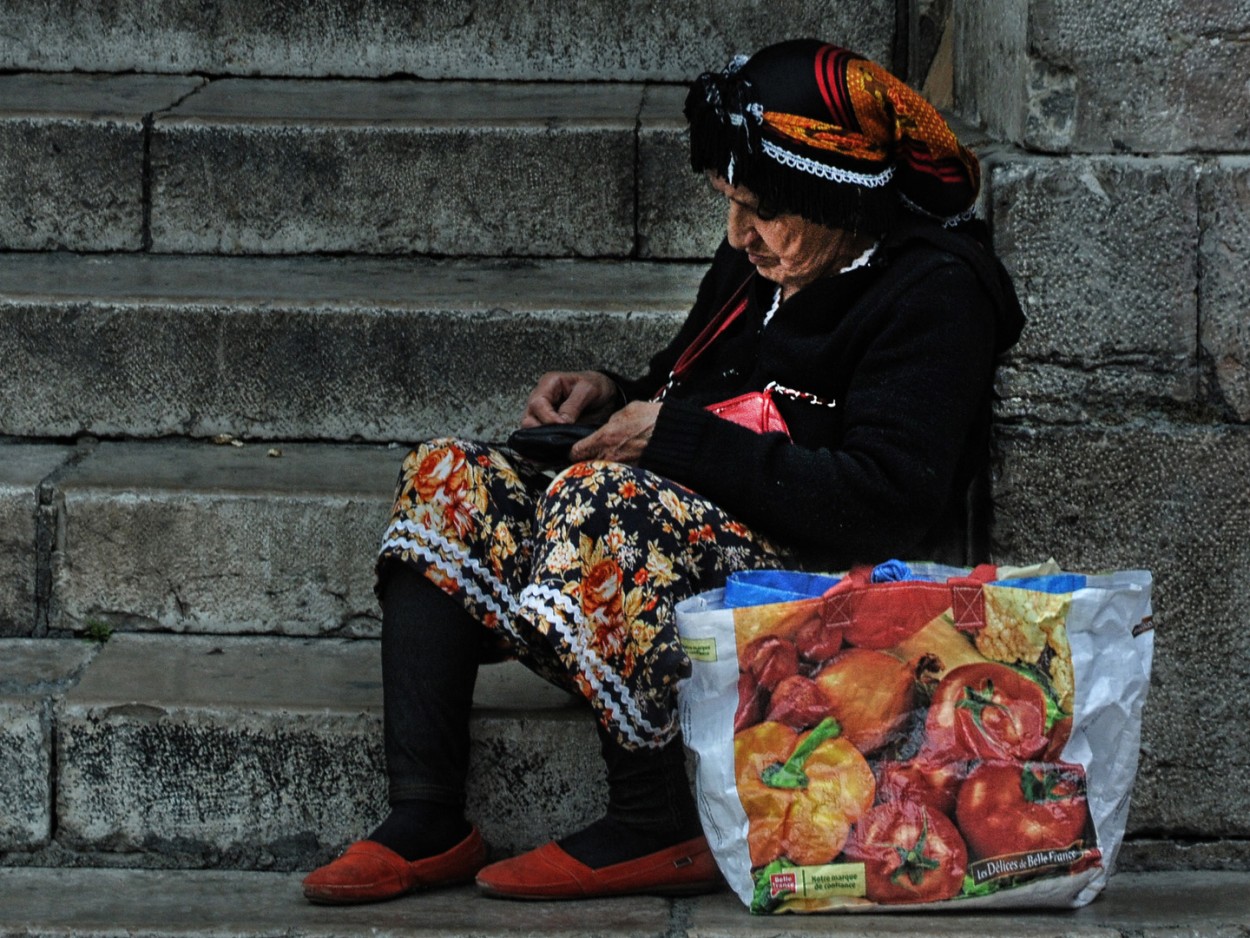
[861, 261]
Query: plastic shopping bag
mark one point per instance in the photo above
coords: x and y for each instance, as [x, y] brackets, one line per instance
[916, 735]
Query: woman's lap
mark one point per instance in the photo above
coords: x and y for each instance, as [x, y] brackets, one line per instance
[579, 575]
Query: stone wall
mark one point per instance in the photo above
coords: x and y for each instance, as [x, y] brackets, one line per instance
[1119, 194]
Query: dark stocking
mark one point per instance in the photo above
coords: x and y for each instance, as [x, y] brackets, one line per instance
[430, 651]
[650, 806]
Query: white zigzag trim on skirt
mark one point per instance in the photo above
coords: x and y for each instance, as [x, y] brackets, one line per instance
[825, 171]
[453, 567]
[531, 597]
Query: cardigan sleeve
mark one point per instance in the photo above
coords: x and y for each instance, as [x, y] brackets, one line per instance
[914, 399]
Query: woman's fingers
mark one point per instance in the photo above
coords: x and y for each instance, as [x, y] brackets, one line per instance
[623, 438]
[564, 396]
[542, 406]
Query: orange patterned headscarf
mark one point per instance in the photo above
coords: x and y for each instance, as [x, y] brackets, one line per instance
[819, 131]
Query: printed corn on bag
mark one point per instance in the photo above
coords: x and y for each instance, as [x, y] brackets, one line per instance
[916, 735]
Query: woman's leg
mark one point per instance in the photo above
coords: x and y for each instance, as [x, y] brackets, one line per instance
[650, 805]
[430, 652]
[430, 649]
[454, 553]
[616, 548]
[579, 578]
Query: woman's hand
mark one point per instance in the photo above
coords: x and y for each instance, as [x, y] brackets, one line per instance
[567, 396]
[623, 438]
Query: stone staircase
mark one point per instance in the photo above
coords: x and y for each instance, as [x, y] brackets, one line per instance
[245, 258]
[247, 253]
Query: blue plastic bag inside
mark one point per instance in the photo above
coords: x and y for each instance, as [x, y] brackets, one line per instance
[764, 587]
[1055, 583]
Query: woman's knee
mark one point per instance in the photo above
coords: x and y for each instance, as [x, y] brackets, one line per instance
[585, 488]
[461, 490]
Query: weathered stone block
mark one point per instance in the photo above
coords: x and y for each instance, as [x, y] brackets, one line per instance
[678, 213]
[22, 469]
[402, 167]
[1225, 287]
[196, 537]
[25, 774]
[1174, 500]
[71, 158]
[31, 673]
[312, 348]
[498, 39]
[1068, 75]
[263, 753]
[1104, 259]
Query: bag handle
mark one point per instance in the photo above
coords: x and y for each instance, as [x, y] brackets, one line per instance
[881, 615]
[734, 307]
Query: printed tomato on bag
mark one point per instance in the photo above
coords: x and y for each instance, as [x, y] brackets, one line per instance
[902, 735]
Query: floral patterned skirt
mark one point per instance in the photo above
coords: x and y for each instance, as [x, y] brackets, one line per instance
[577, 577]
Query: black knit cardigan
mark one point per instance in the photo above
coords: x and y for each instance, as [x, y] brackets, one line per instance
[905, 348]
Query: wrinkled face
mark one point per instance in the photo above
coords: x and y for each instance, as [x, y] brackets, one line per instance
[786, 249]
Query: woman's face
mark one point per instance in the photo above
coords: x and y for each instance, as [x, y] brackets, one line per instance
[786, 249]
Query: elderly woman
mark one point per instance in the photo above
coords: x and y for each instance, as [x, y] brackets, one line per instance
[826, 401]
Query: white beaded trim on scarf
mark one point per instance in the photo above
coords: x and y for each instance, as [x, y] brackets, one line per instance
[949, 221]
[824, 171]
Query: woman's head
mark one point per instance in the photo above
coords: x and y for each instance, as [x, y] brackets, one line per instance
[788, 249]
[816, 131]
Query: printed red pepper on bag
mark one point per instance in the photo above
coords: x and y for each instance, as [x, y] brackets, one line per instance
[798, 703]
[910, 853]
[770, 660]
[801, 792]
[818, 641]
[1016, 807]
[985, 711]
[751, 701]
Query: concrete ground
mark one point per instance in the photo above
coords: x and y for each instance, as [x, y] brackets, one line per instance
[138, 904]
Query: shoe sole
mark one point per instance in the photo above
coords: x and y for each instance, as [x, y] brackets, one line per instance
[368, 900]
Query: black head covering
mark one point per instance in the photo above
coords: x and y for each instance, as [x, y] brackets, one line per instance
[824, 133]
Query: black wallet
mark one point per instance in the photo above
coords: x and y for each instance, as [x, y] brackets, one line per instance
[549, 444]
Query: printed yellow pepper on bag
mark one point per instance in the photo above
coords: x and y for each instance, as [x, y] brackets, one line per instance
[802, 792]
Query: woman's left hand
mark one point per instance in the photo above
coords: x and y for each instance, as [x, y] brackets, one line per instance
[623, 438]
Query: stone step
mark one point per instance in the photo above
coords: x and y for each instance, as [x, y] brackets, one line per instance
[171, 753]
[369, 349]
[238, 166]
[217, 904]
[497, 39]
[465, 168]
[194, 537]
[204, 538]
[253, 753]
[72, 158]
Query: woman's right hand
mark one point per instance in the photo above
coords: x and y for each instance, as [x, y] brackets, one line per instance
[569, 396]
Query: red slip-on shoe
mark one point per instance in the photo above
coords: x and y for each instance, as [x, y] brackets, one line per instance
[549, 873]
[368, 872]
